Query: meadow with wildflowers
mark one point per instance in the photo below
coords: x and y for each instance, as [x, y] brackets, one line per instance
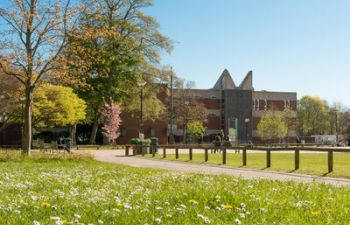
[82, 191]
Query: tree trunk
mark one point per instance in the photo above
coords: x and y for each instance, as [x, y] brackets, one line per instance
[27, 127]
[73, 132]
[94, 129]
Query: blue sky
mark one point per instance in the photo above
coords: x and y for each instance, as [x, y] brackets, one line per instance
[291, 45]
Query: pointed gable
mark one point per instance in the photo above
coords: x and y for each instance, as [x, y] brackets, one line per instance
[225, 82]
[247, 83]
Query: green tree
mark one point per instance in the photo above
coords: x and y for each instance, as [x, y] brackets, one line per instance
[289, 118]
[272, 126]
[186, 106]
[57, 106]
[115, 46]
[32, 38]
[313, 116]
[196, 129]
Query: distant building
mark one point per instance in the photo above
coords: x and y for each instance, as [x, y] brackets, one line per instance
[236, 110]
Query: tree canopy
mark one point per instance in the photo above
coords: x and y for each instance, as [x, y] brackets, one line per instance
[272, 126]
[57, 106]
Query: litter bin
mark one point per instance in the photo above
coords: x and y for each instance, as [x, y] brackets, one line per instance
[68, 144]
[154, 145]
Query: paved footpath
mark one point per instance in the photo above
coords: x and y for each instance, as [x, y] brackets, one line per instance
[115, 156]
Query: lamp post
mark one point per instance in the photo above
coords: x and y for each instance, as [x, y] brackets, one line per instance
[186, 121]
[171, 134]
[246, 121]
[336, 125]
[141, 84]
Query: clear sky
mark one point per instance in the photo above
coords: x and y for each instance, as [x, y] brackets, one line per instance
[291, 45]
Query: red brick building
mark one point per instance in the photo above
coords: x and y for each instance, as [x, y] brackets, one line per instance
[235, 109]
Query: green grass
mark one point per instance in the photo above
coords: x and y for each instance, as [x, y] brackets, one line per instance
[314, 164]
[88, 192]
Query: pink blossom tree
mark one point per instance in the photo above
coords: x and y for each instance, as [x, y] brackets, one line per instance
[111, 113]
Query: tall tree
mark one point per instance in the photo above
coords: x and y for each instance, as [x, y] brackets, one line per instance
[32, 38]
[115, 46]
[312, 116]
[186, 107]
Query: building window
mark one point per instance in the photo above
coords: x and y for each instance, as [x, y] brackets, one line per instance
[153, 132]
[123, 131]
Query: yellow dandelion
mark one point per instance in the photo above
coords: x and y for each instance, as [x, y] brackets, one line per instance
[46, 205]
[227, 206]
[193, 202]
[119, 205]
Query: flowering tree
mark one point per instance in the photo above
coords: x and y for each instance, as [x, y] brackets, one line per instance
[111, 113]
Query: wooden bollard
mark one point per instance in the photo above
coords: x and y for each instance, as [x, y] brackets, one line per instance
[244, 156]
[206, 154]
[191, 154]
[297, 159]
[330, 161]
[224, 156]
[268, 158]
[164, 152]
[154, 149]
[177, 153]
[142, 150]
[127, 150]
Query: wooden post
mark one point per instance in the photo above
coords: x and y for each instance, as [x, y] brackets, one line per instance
[177, 153]
[224, 156]
[164, 152]
[244, 156]
[142, 150]
[330, 161]
[127, 150]
[206, 154]
[191, 155]
[268, 158]
[297, 159]
[154, 149]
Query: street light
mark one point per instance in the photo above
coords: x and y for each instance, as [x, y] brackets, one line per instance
[141, 84]
[246, 121]
[171, 135]
[186, 121]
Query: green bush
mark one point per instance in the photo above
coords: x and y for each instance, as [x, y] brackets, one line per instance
[138, 141]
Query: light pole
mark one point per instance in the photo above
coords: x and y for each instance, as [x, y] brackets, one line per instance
[186, 121]
[246, 121]
[171, 134]
[141, 84]
[336, 126]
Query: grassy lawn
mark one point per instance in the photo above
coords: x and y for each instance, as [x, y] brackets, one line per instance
[315, 164]
[53, 190]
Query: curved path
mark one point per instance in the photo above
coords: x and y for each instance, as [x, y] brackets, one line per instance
[116, 156]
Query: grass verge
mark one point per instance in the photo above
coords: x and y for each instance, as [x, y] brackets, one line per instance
[314, 164]
[59, 191]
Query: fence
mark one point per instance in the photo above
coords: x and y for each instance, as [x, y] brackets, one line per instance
[296, 149]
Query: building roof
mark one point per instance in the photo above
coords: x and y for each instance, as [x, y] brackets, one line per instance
[225, 82]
